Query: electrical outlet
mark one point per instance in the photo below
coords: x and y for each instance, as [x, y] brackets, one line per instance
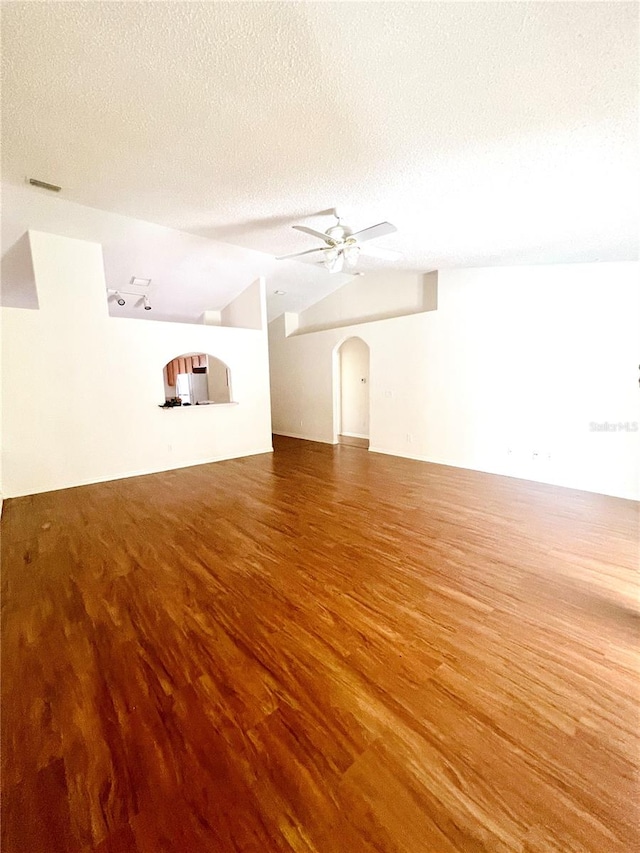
[169, 447]
[409, 438]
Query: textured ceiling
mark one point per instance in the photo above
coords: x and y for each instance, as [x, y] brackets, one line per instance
[487, 132]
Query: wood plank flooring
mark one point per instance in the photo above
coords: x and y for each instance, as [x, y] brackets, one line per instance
[320, 650]
[354, 441]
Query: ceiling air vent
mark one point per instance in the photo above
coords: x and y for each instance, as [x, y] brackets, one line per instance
[44, 185]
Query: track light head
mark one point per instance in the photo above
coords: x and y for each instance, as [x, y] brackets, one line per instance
[139, 300]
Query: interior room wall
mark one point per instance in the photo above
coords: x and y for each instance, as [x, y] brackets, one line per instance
[373, 296]
[246, 311]
[218, 381]
[191, 266]
[354, 388]
[530, 372]
[1, 410]
[169, 390]
[82, 389]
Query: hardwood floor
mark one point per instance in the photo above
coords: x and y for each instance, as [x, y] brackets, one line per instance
[354, 441]
[320, 650]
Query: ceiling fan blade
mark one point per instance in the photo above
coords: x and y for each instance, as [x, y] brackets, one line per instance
[379, 252]
[297, 254]
[311, 231]
[379, 230]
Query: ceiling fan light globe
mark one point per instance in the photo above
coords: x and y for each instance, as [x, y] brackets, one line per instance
[351, 255]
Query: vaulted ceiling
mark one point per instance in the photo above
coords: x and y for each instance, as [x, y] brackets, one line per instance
[489, 133]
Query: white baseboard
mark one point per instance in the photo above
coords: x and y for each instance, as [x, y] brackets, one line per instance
[354, 435]
[141, 473]
[413, 456]
[512, 475]
[303, 437]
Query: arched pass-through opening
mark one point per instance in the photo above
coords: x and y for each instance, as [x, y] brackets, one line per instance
[351, 393]
[196, 379]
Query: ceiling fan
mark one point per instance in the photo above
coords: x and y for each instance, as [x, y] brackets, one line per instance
[342, 246]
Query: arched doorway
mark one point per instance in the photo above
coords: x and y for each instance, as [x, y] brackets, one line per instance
[353, 393]
[196, 378]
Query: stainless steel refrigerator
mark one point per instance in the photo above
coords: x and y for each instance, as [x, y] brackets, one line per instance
[192, 388]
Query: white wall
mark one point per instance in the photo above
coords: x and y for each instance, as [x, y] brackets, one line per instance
[81, 389]
[1, 410]
[354, 388]
[506, 376]
[248, 309]
[189, 274]
[219, 382]
[374, 296]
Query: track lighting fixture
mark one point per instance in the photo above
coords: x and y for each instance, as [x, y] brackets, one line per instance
[140, 299]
